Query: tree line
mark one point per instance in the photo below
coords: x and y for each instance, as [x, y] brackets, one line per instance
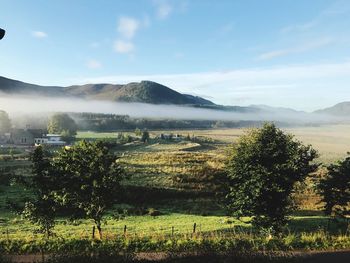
[68, 123]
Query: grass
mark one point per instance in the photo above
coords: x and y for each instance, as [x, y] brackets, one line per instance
[96, 135]
[228, 239]
[178, 172]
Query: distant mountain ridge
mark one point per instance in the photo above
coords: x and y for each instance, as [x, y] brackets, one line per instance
[341, 109]
[152, 93]
[144, 91]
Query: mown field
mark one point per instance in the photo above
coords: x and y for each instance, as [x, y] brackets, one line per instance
[172, 187]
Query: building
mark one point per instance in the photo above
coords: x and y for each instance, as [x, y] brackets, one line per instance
[23, 136]
[50, 139]
[30, 137]
[170, 136]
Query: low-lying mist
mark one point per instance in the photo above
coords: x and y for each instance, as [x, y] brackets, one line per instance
[17, 106]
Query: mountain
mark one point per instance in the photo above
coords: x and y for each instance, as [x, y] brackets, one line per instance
[280, 110]
[341, 109]
[14, 87]
[144, 91]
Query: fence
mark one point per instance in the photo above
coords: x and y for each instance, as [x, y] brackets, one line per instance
[127, 231]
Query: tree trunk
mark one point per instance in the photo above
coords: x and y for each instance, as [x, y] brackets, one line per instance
[99, 229]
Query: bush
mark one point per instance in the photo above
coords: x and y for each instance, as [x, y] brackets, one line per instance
[154, 212]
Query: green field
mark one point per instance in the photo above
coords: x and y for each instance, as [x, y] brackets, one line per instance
[170, 177]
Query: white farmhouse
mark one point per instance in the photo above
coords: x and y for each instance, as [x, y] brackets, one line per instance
[50, 139]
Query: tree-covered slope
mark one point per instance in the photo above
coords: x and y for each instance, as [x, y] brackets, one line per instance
[144, 91]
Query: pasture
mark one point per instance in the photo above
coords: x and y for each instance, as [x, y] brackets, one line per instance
[172, 187]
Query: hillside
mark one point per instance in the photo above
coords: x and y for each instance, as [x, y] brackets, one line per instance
[14, 87]
[144, 91]
[341, 109]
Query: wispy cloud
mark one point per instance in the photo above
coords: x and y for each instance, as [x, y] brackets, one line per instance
[127, 26]
[295, 50]
[93, 64]
[124, 47]
[301, 27]
[163, 8]
[39, 34]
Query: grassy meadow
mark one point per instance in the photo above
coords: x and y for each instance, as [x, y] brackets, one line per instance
[169, 193]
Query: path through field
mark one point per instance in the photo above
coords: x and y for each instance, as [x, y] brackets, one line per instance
[300, 256]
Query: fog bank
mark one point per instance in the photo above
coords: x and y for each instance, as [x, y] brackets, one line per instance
[38, 105]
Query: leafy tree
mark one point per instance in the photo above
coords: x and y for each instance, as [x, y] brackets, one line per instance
[262, 169]
[89, 176]
[138, 132]
[335, 188]
[42, 209]
[62, 123]
[145, 136]
[5, 122]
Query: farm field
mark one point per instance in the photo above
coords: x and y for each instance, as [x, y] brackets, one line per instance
[332, 141]
[171, 189]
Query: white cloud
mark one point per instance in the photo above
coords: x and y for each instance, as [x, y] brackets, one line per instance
[295, 50]
[127, 26]
[93, 64]
[39, 34]
[163, 8]
[124, 47]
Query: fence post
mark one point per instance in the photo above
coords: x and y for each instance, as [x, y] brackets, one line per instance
[172, 231]
[93, 232]
[125, 230]
[194, 228]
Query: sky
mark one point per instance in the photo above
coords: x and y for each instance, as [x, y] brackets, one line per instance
[290, 53]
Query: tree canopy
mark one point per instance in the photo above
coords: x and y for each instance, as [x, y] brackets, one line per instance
[262, 169]
[335, 188]
[145, 136]
[5, 122]
[89, 177]
[41, 210]
[62, 123]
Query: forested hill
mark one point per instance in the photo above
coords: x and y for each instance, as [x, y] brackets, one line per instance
[144, 91]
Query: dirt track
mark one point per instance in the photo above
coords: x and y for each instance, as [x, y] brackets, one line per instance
[301, 256]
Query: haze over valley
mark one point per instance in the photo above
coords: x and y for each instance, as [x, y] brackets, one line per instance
[148, 99]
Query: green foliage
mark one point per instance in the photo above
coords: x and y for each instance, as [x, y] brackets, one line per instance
[89, 178]
[5, 122]
[262, 169]
[138, 132]
[145, 136]
[41, 210]
[62, 123]
[335, 188]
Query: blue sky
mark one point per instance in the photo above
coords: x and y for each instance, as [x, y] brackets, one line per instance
[290, 53]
